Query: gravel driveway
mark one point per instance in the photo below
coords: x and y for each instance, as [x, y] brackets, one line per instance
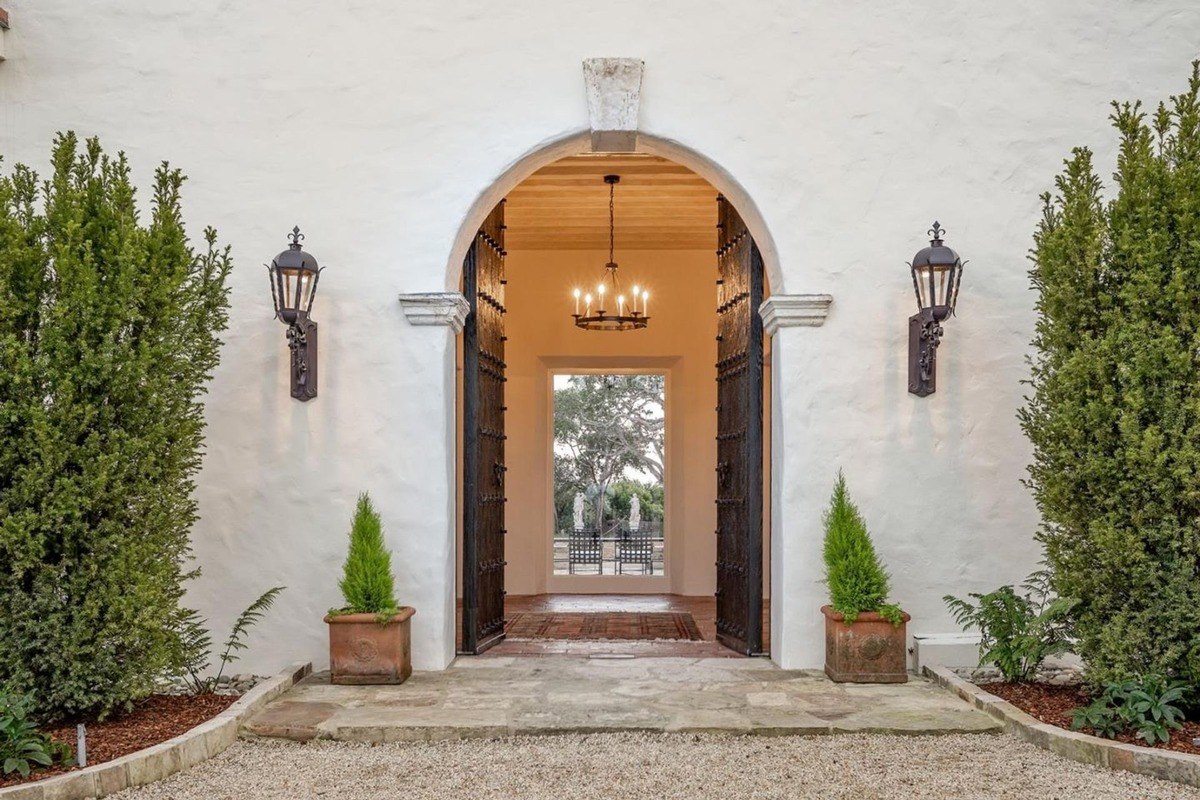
[656, 767]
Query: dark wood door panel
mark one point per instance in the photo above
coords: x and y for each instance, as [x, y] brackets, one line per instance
[484, 437]
[739, 368]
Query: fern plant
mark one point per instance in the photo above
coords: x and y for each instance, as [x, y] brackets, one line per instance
[197, 642]
[367, 585]
[1017, 631]
[856, 578]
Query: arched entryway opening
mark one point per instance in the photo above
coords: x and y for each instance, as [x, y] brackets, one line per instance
[577, 143]
[680, 235]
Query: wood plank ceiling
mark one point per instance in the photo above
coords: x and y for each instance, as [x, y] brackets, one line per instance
[660, 205]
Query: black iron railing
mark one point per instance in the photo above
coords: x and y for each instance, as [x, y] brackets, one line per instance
[615, 549]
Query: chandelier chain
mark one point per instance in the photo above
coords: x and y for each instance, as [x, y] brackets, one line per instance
[611, 221]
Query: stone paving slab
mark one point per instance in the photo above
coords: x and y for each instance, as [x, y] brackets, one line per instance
[493, 697]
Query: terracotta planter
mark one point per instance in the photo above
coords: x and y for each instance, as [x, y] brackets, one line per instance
[363, 650]
[868, 650]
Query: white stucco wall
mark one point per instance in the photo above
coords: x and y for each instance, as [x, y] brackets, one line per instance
[376, 126]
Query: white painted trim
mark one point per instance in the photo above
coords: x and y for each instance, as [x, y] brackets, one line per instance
[794, 310]
[614, 92]
[436, 308]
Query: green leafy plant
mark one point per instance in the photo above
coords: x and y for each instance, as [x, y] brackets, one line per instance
[1017, 631]
[367, 585]
[1112, 415]
[109, 333]
[1147, 704]
[23, 747]
[197, 642]
[856, 578]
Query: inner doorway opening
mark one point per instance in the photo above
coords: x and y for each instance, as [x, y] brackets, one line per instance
[701, 579]
[609, 452]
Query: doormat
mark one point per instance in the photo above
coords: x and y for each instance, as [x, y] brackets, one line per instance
[598, 626]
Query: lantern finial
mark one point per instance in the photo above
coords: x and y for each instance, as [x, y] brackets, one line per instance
[296, 237]
[936, 232]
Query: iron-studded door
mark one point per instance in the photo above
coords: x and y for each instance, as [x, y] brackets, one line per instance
[739, 435]
[483, 438]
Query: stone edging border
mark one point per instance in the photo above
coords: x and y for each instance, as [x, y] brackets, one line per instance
[1167, 765]
[157, 762]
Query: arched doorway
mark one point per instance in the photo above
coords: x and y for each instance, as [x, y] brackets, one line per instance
[573, 144]
[541, 215]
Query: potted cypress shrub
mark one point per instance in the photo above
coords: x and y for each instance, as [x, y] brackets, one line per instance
[865, 635]
[370, 640]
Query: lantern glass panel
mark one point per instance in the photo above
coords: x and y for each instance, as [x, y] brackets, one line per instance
[295, 288]
[303, 280]
[934, 285]
[941, 282]
[923, 284]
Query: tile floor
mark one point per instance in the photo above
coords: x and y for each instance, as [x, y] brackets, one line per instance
[702, 609]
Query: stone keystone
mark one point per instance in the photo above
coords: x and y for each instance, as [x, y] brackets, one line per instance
[614, 93]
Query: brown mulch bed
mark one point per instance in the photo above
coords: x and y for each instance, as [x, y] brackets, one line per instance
[1054, 704]
[152, 721]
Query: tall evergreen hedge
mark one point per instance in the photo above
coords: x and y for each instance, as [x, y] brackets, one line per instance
[108, 333]
[1114, 415]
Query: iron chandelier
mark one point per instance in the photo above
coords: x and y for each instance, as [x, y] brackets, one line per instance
[609, 289]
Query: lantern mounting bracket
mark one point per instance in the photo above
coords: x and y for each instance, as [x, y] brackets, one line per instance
[924, 336]
[302, 343]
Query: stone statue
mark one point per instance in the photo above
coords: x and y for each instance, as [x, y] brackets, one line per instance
[578, 511]
[635, 513]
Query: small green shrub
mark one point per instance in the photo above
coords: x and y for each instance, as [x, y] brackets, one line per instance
[197, 642]
[367, 584]
[1147, 704]
[1017, 631]
[857, 580]
[23, 748]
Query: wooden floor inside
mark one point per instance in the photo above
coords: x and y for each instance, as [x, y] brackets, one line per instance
[702, 609]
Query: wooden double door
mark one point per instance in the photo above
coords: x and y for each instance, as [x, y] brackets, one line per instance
[739, 468]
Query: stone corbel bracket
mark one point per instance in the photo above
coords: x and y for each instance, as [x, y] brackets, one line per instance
[614, 94]
[3, 28]
[436, 308]
[794, 310]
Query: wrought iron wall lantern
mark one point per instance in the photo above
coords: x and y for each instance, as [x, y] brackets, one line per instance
[294, 275]
[936, 273]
